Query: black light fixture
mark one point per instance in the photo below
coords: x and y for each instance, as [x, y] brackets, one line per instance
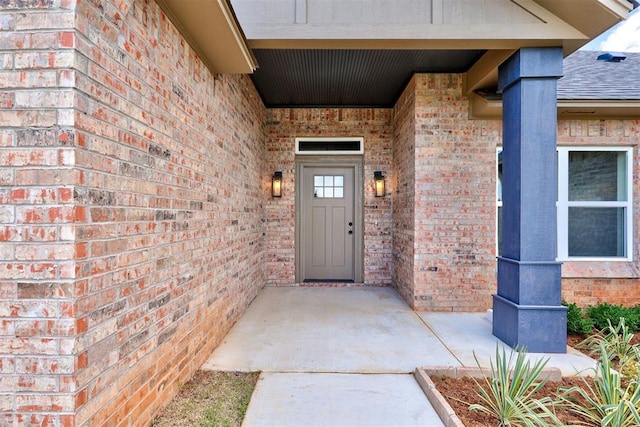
[379, 185]
[276, 184]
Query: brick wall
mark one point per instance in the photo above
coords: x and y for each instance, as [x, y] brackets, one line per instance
[444, 169]
[444, 202]
[591, 291]
[455, 193]
[132, 210]
[37, 216]
[283, 126]
[404, 169]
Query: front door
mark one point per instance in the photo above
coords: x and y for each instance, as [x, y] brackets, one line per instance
[327, 223]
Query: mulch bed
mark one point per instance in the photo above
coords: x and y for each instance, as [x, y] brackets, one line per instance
[462, 392]
[459, 390]
[574, 340]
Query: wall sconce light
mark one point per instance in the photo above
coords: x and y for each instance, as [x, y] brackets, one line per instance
[379, 185]
[276, 184]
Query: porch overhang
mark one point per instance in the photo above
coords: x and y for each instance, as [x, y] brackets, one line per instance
[212, 30]
[482, 107]
[591, 17]
[291, 27]
[591, 87]
[430, 24]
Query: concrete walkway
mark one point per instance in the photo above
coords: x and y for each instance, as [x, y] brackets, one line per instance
[345, 356]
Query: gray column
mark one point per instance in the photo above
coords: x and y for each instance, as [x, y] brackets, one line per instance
[526, 310]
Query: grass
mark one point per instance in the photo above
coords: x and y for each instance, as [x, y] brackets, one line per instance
[210, 399]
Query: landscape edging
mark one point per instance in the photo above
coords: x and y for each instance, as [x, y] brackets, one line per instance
[440, 405]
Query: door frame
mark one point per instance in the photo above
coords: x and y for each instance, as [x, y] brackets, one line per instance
[355, 162]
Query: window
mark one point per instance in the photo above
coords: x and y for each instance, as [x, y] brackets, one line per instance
[330, 146]
[594, 203]
[328, 187]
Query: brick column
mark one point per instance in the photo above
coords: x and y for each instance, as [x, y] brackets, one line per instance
[527, 309]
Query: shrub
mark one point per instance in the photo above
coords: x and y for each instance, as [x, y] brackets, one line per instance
[576, 322]
[510, 392]
[604, 312]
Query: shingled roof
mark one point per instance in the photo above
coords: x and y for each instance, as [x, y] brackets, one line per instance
[585, 77]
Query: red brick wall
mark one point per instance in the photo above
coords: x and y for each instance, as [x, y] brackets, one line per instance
[37, 215]
[590, 282]
[132, 213]
[444, 202]
[455, 192]
[283, 126]
[404, 169]
[591, 291]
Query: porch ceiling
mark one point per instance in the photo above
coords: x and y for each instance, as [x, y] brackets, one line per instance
[359, 77]
[363, 52]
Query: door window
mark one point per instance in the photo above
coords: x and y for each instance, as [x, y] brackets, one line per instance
[328, 186]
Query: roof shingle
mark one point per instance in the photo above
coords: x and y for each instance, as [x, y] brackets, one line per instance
[587, 78]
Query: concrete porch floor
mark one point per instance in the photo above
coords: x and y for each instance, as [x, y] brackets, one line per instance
[345, 356]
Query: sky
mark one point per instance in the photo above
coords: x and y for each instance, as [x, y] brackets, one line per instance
[624, 37]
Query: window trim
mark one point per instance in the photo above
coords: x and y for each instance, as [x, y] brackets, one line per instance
[359, 140]
[498, 198]
[563, 204]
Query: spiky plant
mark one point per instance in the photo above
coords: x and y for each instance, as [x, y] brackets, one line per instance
[509, 392]
[616, 341]
[606, 402]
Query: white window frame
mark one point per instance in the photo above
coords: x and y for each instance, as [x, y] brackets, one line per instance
[330, 139]
[498, 199]
[563, 203]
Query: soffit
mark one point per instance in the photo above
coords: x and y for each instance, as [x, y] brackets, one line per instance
[348, 77]
[482, 108]
[212, 30]
[590, 17]
[362, 52]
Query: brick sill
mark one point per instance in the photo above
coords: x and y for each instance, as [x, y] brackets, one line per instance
[600, 270]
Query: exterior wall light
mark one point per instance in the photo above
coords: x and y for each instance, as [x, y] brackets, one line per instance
[276, 184]
[378, 179]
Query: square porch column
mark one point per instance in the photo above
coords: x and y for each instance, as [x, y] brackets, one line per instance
[527, 310]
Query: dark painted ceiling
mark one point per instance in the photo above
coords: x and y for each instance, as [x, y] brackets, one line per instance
[356, 78]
